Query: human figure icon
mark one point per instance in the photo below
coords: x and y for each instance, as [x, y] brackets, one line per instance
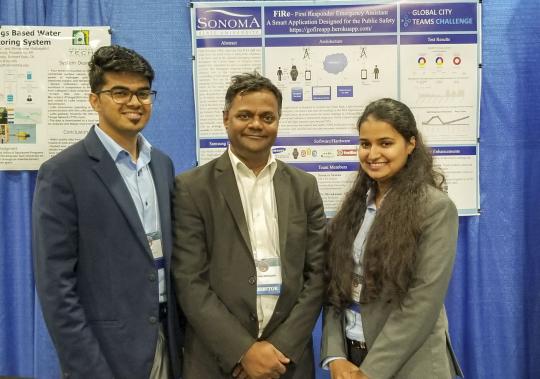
[376, 72]
[279, 73]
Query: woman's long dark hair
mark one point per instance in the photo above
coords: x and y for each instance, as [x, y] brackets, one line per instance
[390, 249]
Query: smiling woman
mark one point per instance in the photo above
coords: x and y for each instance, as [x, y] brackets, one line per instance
[383, 152]
[391, 254]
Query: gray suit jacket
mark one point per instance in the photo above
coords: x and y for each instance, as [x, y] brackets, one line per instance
[409, 341]
[94, 270]
[216, 277]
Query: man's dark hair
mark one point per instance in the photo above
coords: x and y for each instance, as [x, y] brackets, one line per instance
[116, 59]
[251, 82]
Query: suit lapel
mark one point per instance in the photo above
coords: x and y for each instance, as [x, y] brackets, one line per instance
[160, 177]
[282, 189]
[282, 186]
[227, 186]
[107, 171]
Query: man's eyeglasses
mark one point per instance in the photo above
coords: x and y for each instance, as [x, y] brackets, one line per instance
[124, 95]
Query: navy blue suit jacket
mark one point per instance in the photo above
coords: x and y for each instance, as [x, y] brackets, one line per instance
[94, 271]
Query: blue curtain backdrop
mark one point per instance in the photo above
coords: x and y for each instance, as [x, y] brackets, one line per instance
[493, 302]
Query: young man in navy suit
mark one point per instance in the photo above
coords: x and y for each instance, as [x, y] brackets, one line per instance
[102, 236]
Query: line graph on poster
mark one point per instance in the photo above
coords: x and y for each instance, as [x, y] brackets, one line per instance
[438, 120]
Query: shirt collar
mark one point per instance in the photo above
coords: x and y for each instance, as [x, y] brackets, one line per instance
[239, 166]
[115, 150]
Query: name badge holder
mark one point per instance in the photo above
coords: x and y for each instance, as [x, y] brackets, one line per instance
[356, 292]
[268, 276]
[154, 241]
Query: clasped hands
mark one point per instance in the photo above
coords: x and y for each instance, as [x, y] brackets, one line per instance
[261, 361]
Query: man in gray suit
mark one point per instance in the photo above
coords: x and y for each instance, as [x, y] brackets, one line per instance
[102, 236]
[248, 251]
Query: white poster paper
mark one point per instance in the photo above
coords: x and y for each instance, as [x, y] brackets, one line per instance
[330, 59]
[44, 91]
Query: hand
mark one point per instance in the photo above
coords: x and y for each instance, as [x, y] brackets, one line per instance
[358, 374]
[264, 361]
[344, 369]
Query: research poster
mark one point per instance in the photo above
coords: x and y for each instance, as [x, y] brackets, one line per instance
[44, 91]
[330, 59]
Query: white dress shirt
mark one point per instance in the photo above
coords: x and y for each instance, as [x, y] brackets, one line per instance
[260, 209]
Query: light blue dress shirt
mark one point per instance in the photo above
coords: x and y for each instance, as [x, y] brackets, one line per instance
[353, 319]
[138, 178]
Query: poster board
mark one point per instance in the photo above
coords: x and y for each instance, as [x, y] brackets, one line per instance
[330, 59]
[44, 91]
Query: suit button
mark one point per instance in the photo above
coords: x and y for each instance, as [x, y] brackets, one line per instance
[252, 280]
[152, 319]
[253, 317]
[152, 277]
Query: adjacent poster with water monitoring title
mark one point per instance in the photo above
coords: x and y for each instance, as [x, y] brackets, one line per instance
[44, 91]
[330, 60]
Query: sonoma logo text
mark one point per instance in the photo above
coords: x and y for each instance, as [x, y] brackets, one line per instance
[220, 19]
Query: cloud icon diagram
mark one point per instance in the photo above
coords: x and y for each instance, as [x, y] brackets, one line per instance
[335, 63]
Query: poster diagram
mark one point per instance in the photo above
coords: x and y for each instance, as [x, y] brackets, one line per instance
[439, 81]
[330, 59]
[18, 126]
[316, 78]
[44, 91]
